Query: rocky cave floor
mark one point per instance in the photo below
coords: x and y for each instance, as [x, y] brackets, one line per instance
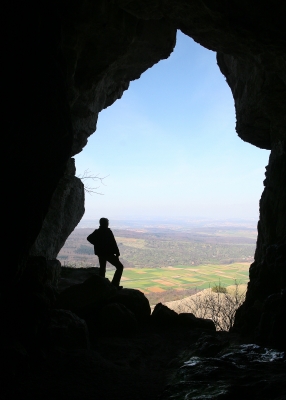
[156, 363]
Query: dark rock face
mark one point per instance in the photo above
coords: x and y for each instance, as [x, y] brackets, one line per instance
[68, 331]
[105, 49]
[268, 272]
[233, 372]
[26, 317]
[86, 296]
[78, 58]
[72, 276]
[115, 320]
[135, 301]
[190, 321]
[107, 310]
[165, 317]
[65, 211]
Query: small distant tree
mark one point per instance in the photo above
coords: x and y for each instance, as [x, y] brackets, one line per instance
[219, 289]
[219, 305]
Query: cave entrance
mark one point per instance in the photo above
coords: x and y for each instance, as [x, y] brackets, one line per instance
[174, 161]
[169, 146]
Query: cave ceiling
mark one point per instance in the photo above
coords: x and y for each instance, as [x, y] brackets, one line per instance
[107, 44]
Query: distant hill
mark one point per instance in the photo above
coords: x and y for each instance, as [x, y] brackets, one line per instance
[160, 246]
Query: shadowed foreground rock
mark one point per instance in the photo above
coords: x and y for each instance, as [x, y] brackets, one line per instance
[135, 301]
[122, 358]
[72, 276]
[113, 320]
[86, 296]
[165, 317]
[157, 364]
[68, 331]
[233, 373]
[107, 310]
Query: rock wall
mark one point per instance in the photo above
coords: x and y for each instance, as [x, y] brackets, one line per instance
[263, 315]
[65, 211]
[65, 61]
[259, 93]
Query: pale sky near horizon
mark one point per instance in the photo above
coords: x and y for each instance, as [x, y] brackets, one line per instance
[169, 146]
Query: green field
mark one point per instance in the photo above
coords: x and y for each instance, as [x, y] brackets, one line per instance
[181, 278]
[169, 263]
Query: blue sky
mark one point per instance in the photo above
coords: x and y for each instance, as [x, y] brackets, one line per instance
[170, 149]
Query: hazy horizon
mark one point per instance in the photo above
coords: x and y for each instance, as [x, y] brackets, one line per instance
[171, 223]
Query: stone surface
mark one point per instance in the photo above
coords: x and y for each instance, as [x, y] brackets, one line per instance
[190, 321]
[135, 301]
[114, 320]
[268, 272]
[236, 372]
[107, 310]
[70, 276]
[86, 296]
[68, 331]
[164, 316]
[272, 327]
[157, 364]
[65, 211]
[54, 272]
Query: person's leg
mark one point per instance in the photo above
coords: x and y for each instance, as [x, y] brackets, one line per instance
[114, 260]
[102, 266]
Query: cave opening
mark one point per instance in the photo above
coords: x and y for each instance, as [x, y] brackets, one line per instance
[173, 157]
[170, 149]
[64, 63]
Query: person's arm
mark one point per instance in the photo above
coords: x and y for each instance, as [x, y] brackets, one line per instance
[92, 237]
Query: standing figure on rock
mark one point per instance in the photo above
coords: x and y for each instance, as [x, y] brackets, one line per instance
[105, 247]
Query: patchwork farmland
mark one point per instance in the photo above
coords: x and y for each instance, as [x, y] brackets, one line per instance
[170, 283]
[171, 263]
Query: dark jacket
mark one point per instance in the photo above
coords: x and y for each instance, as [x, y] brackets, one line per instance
[104, 242]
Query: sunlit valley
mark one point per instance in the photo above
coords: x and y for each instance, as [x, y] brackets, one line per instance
[169, 260]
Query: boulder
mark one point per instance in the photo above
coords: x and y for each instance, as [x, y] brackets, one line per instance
[114, 320]
[85, 297]
[135, 301]
[68, 331]
[72, 276]
[188, 320]
[164, 316]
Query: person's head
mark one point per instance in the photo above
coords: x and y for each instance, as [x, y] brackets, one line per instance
[103, 222]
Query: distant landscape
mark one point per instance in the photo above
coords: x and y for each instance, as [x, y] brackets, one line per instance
[171, 261]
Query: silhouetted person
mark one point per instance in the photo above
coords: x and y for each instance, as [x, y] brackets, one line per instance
[105, 247]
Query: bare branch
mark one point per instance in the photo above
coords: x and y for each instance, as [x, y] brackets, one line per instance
[88, 175]
[219, 306]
